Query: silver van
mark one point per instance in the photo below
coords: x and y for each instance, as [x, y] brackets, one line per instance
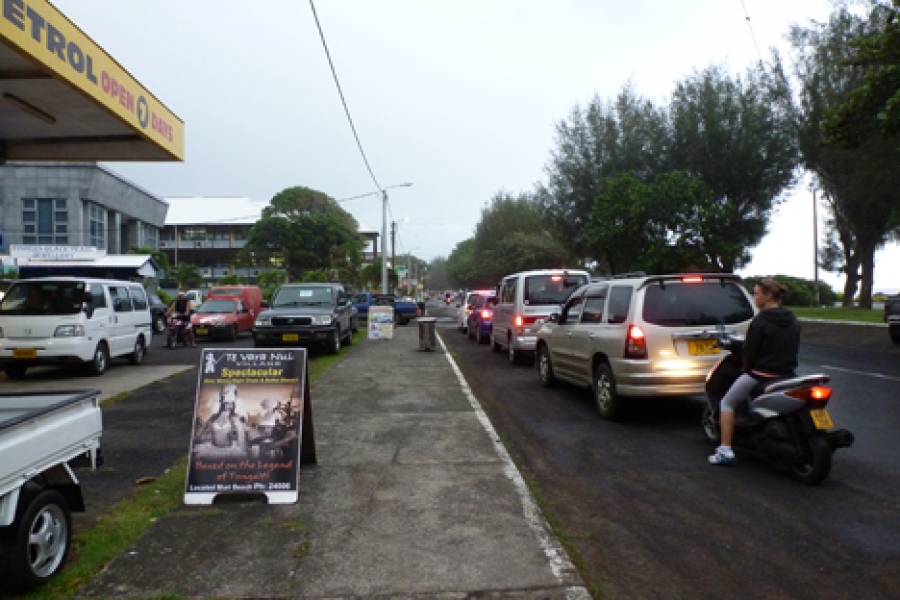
[57, 320]
[525, 298]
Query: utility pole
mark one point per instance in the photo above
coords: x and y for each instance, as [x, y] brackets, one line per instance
[393, 245]
[384, 277]
[816, 245]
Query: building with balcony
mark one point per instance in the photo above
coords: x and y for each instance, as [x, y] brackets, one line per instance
[209, 232]
[77, 204]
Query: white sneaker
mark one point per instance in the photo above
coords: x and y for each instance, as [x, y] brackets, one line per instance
[723, 456]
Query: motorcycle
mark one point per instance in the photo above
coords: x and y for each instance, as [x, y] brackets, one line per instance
[178, 324]
[785, 419]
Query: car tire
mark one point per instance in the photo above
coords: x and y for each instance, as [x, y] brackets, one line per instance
[354, 326]
[348, 340]
[470, 333]
[605, 396]
[100, 362]
[15, 371]
[514, 356]
[895, 338]
[496, 346]
[159, 324]
[545, 367]
[483, 339]
[34, 548]
[140, 349]
[233, 334]
[334, 346]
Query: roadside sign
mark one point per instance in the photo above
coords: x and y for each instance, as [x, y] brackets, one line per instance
[252, 425]
[381, 322]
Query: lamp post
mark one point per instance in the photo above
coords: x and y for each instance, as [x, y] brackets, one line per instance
[384, 211]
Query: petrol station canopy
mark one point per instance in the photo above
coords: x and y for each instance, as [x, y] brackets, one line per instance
[65, 99]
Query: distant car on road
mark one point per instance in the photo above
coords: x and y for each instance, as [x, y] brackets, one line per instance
[479, 321]
[464, 308]
[642, 336]
[221, 317]
[304, 314]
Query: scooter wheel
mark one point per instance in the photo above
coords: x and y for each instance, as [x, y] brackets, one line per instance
[711, 426]
[816, 460]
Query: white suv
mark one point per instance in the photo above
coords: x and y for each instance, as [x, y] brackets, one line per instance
[642, 336]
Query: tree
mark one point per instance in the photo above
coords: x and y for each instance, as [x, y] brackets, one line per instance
[438, 277]
[859, 183]
[230, 280]
[462, 265]
[371, 276]
[627, 135]
[186, 275]
[664, 226]
[306, 230]
[736, 135]
[874, 106]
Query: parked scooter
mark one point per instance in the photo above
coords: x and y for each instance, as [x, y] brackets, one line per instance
[785, 419]
[175, 334]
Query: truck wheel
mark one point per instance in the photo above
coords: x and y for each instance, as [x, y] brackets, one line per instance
[98, 365]
[34, 548]
[159, 324]
[15, 371]
[233, 334]
[137, 357]
[335, 343]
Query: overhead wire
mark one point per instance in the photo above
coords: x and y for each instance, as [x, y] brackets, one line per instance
[337, 82]
[752, 33]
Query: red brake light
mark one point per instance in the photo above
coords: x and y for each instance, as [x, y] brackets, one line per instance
[692, 279]
[485, 314]
[817, 393]
[636, 344]
[556, 278]
[519, 321]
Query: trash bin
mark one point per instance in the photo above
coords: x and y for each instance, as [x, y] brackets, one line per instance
[427, 339]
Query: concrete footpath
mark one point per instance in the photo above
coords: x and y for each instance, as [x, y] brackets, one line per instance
[414, 496]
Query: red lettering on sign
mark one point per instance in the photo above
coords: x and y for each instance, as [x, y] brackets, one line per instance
[163, 128]
[104, 82]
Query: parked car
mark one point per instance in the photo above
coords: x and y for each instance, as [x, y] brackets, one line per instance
[158, 313]
[250, 297]
[306, 314]
[465, 307]
[73, 320]
[196, 297]
[221, 318]
[642, 336]
[480, 319]
[523, 299]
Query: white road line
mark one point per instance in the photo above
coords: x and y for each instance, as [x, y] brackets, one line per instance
[562, 567]
[855, 372]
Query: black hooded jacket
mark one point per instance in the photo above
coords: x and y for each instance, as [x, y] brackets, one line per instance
[773, 341]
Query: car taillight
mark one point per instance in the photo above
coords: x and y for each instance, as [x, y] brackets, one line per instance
[636, 344]
[519, 321]
[485, 314]
[817, 393]
[692, 279]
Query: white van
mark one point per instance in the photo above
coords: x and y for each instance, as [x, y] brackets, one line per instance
[523, 299]
[57, 320]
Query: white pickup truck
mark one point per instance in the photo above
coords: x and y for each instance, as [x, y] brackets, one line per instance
[39, 434]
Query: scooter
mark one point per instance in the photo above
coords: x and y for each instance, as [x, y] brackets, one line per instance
[178, 324]
[785, 418]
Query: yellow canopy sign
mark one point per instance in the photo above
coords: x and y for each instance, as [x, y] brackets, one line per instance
[40, 32]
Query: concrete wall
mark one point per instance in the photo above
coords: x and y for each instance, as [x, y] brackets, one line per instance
[866, 337]
[79, 184]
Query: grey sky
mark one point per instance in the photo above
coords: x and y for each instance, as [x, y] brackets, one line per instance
[458, 97]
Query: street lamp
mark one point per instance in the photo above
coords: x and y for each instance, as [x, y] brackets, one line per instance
[384, 211]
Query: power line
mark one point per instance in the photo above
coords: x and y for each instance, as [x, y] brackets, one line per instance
[341, 94]
[752, 33]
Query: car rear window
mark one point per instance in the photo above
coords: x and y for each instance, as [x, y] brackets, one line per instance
[551, 289]
[677, 304]
[226, 292]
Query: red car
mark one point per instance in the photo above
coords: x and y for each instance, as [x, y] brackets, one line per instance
[221, 317]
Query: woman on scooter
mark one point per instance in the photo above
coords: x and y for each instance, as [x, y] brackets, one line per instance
[181, 308]
[770, 351]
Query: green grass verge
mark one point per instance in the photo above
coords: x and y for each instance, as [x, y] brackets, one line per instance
[126, 521]
[840, 314]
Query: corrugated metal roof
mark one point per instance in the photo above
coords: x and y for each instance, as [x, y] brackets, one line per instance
[223, 210]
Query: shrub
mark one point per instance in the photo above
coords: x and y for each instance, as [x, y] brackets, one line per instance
[801, 292]
[166, 298]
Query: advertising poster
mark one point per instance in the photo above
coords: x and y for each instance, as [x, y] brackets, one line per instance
[381, 322]
[252, 425]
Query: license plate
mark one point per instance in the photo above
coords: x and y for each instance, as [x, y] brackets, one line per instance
[821, 418]
[290, 337]
[25, 353]
[201, 331]
[700, 347]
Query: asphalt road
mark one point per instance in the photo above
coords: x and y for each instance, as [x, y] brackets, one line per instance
[651, 519]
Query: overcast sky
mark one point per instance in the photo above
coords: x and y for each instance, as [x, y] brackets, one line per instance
[459, 98]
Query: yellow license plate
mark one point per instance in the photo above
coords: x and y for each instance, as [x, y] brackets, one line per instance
[201, 331]
[25, 353]
[700, 347]
[821, 418]
[290, 337]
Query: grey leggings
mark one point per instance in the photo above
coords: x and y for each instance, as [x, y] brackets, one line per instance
[737, 393]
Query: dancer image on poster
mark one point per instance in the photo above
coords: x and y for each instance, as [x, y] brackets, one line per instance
[225, 433]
